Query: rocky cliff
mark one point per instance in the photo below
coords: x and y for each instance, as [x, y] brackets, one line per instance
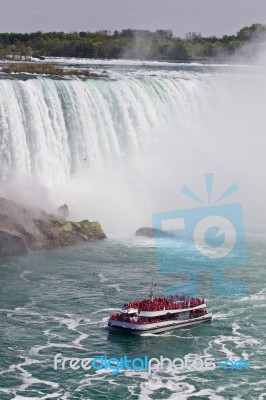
[25, 230]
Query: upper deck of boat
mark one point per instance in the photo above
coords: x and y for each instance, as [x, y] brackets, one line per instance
[159, 305]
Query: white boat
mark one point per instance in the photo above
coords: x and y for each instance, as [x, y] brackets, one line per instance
[160, 314]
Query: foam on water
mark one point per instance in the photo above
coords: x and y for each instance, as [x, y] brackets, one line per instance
[102, 278]
[261, 295]
[89, 61]
[116, 286]
[23, 275]
[104, 310]
[45, 397]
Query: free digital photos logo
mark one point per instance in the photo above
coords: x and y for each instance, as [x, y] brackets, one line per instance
[209, 237]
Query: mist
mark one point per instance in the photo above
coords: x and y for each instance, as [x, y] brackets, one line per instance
[225, 137]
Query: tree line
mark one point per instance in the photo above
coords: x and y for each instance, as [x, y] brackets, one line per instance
[128, 43]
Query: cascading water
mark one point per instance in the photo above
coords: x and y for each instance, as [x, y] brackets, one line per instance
[50, 127]
[123, 142]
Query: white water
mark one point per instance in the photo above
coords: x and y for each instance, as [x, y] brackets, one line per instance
[119, 150]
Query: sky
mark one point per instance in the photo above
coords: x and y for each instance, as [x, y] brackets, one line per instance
[210, 17]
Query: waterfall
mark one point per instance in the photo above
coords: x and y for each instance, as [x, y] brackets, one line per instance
[130, 142]
[51, 129]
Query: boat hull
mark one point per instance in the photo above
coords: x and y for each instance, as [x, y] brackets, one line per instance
[159, 328]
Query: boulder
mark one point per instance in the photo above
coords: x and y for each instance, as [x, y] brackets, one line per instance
[76, 225]
[92, 229]
[153, 233]
[63, 211]
[67, 227]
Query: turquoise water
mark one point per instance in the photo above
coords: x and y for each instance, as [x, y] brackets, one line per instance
[59, 302]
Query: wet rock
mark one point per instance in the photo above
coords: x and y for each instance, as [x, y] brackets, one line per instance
[12, 243]
[25, 230]
[153, 233]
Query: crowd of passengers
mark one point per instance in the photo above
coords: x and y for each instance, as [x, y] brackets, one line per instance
[164, 303]
[143, 320]
[197, 313]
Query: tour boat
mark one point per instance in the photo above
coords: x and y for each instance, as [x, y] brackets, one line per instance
[160, 314]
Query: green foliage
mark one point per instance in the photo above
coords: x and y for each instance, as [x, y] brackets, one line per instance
[251, 32]
[128, 43]
[181, 50]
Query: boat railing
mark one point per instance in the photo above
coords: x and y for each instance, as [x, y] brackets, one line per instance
[155, 319]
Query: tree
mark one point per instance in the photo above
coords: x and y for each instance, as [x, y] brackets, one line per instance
[250, 32]
[182, 50]
[192, 36]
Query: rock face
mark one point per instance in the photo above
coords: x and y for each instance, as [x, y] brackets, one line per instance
[63, 211]
[152, 232]
[23, 230]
